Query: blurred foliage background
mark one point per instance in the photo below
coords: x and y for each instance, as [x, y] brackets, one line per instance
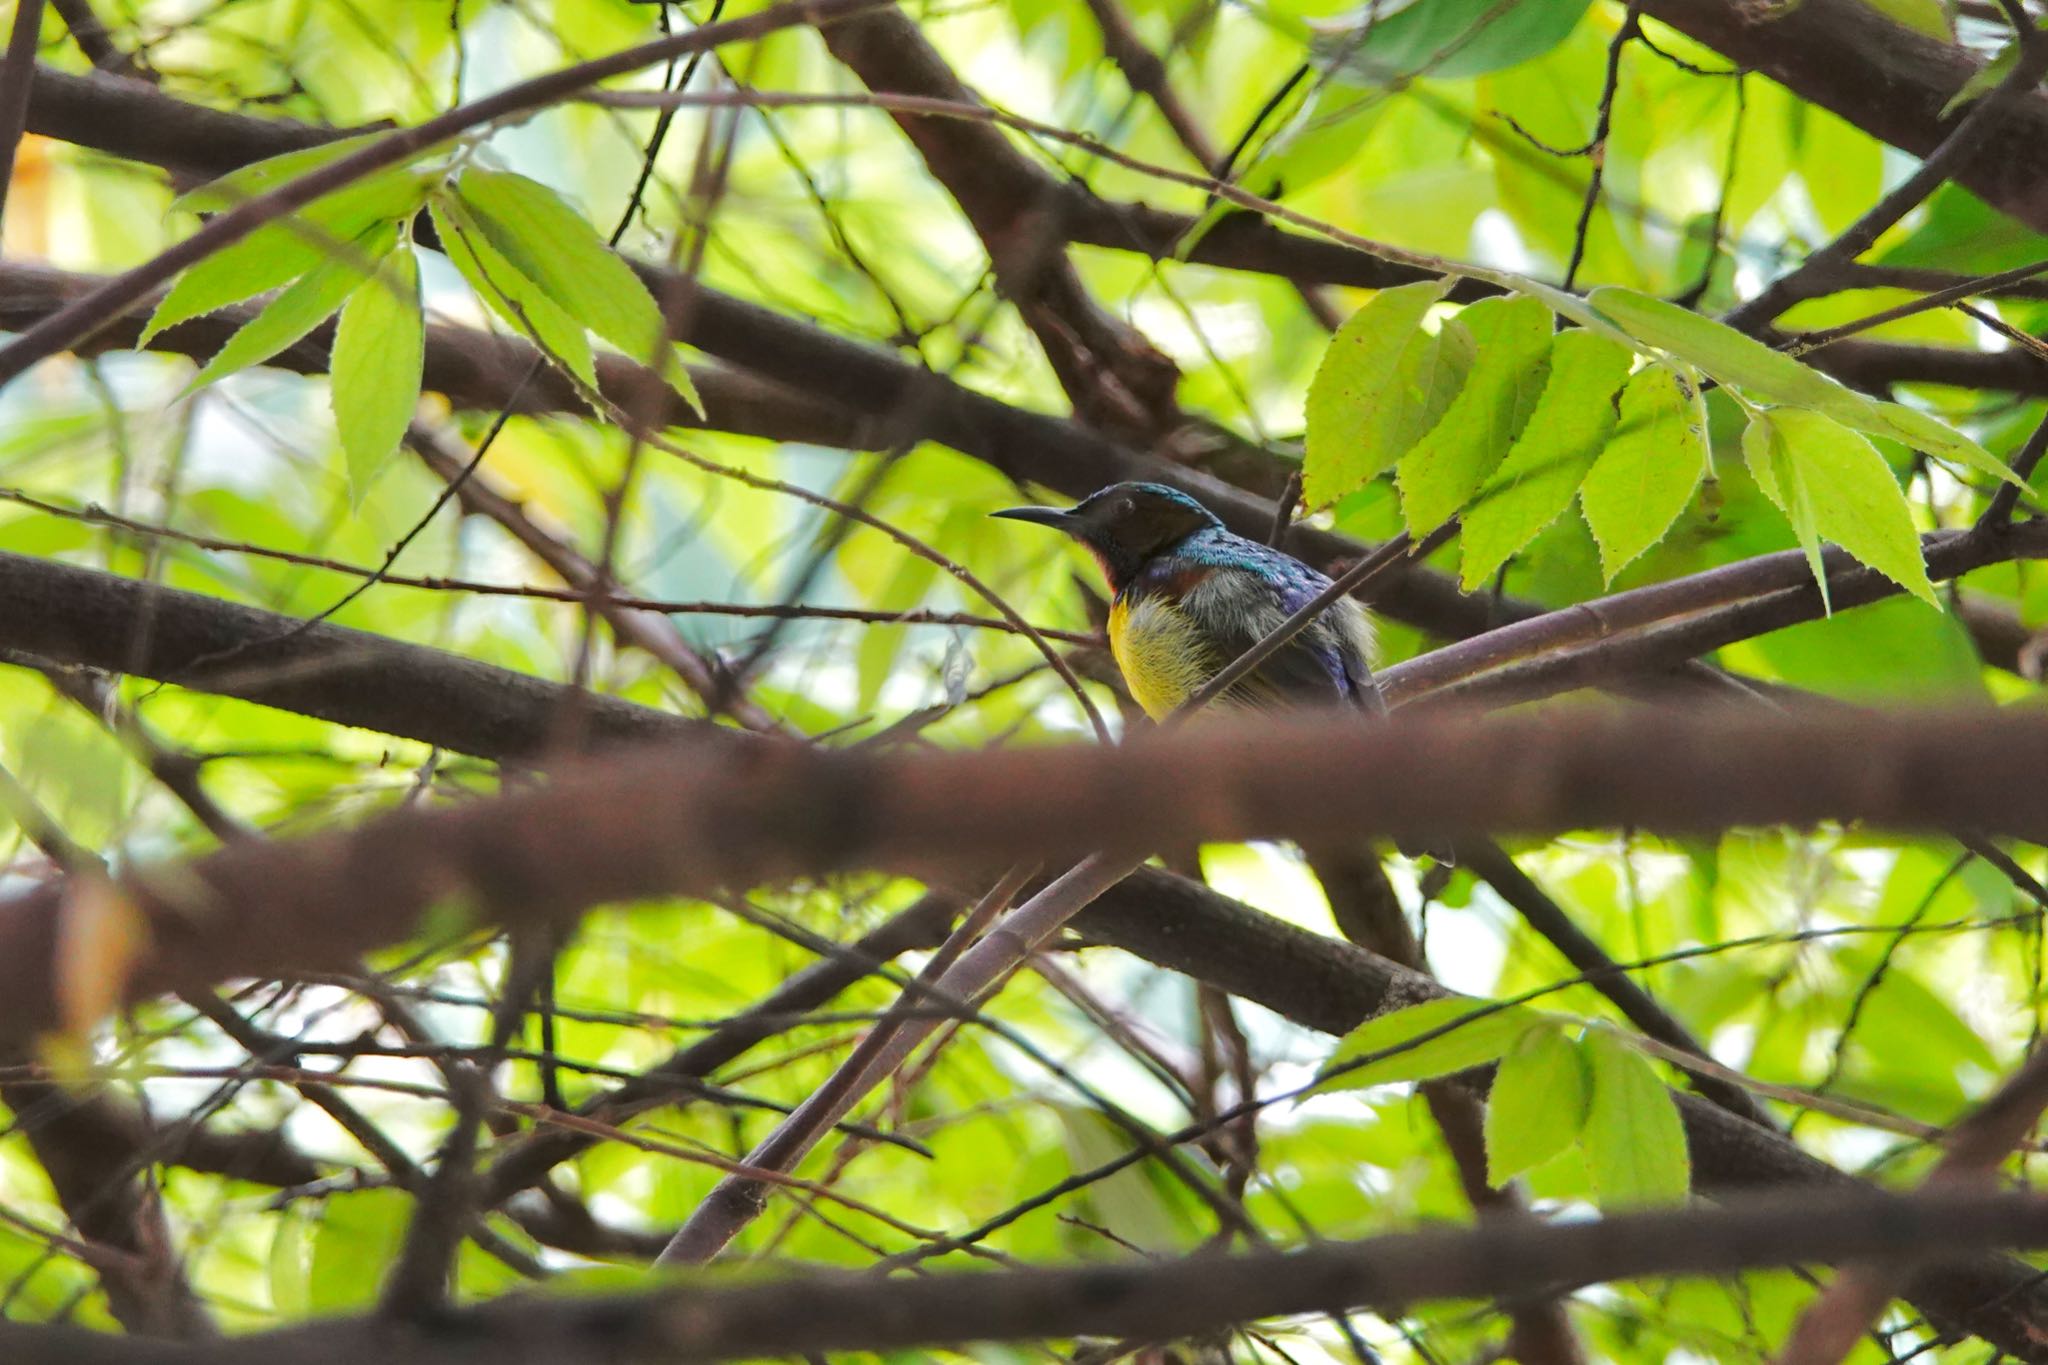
[1904, 976]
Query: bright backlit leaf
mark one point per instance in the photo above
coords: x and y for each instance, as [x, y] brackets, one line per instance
[1537, 1104]
[1564, 435]
[1831, 484]
[379, 348]
[305, 304]
[506, 291]
[1372, 394]
[1721, 351]
[1647, 473]
[550, 242]
[1434, 1038]
[1511, 340]
[1634, 1140]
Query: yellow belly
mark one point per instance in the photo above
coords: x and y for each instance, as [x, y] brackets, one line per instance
[1159, 651]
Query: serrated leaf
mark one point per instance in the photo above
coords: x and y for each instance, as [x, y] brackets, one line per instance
[1831, 484]
[507, 291]
[303, 305]
[1648, 470]
[1511, 337]
[262, 261]
[380, 346]
[1633, 1139]
[1537, 1105]
[1564, 435]
[1455, 1034]
[1719, 350]
[537, 230]
[259, 177]
[1369, 399]
[1931, 436]
[288, 248]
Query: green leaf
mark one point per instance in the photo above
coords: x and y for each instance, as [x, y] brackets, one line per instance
[1447, 38]
[1455, 1034]
[537, 230]
[1371, 396]
[1922, 16]
[1511, 340]
[260, 177]
[1831, 484]
[1633, 1139]
[1985, 78]
[305, 304]
[380, 346]
[1647, 473]
[1562, 438]
[506, 291]
[1931, 436]
[1724, 353]
[358, 1238]
[1537, 1105]
[262, 261]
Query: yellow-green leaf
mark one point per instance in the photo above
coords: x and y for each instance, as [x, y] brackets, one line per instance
[506, 291]
[1537, 1104]
[1634, 1140]
[1434, 1038]
[1719, 350]
[1511, 339]
[1564, 435]
[1648, 470]
[379, 348]
[1831, 484]
[536, 230]
[1372, 394]
[299, 308]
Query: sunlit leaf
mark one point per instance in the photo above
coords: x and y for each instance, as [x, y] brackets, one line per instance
[379, 348]
[1511, 342]
[1648, 470]
[1537, 1103]
[506, 291]
[1633, 1139]
[1832, 484]
[1373, 393]
[536, 230]
[1726, 354]
[1563, 436]
[300, 307]
[1922, 16]
[1455, 1034]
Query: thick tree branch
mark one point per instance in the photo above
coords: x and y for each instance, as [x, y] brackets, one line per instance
[1144, 1301]
[692, 816]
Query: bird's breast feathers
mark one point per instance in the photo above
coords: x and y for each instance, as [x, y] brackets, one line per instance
[1163, 654]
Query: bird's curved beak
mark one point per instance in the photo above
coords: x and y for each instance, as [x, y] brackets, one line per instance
[1059, 518]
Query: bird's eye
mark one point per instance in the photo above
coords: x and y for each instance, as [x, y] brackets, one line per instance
[1124, 507]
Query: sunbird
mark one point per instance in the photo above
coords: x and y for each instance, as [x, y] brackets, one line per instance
[1190, 596]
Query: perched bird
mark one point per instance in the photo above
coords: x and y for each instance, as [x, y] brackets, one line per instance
[1190, 596]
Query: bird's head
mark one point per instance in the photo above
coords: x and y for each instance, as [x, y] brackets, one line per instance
[1125, 524]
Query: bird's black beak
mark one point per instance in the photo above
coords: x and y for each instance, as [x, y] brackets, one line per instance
[1059, 518]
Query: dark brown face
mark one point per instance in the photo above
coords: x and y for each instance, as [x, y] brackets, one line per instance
[1125, 524]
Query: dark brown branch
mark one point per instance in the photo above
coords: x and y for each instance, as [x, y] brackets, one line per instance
[1145, 1301]
[691, 816]
[1116, 378]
